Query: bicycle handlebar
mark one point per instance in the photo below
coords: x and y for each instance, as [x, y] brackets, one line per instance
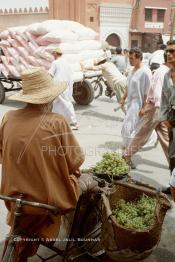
[33, 204]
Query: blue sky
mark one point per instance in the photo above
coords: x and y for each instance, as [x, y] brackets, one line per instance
[22, 3]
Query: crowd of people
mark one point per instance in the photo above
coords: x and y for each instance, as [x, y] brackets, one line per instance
[38, 151]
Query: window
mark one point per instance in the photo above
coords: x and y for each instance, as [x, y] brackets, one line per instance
[148, 15]
[160, 15]
[91, 19]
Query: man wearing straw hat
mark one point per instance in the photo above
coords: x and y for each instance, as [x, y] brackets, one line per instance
[61, 71]
[40, 158]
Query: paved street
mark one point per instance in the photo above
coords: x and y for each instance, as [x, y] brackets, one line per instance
[99, 131]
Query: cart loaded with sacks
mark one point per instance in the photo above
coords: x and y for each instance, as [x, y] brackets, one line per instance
[83, 91]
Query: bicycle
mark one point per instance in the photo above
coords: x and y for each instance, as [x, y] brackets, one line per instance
[85, 231]
[98, 85]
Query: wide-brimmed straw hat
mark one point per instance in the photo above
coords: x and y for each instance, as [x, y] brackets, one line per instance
[38, 87]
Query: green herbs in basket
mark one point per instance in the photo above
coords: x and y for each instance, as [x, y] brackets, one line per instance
[138, 215]
[111, 164]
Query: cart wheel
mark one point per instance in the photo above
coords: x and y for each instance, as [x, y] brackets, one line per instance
[2, 93]
[83, 93]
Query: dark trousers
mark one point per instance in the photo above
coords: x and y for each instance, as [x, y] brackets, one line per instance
[172, 148]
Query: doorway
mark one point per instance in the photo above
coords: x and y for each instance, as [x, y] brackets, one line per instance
[114, 40]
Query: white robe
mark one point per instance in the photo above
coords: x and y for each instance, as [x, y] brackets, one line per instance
[138, 85]
[61, 71]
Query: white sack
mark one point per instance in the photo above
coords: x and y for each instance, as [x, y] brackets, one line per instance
[77, 76]
[72, 58]
[59, 36]
[66, 48]
[89, 45]
[90, 54]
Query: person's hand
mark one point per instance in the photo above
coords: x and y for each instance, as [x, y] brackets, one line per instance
[77, 173]
[87, 183]
[167, 123]
[113, 93]
[122, 102]
[141, 112]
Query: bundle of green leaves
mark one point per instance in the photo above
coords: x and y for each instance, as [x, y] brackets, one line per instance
[112, 164]
[138, 215]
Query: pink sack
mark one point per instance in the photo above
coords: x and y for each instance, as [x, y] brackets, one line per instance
[33, 61]
[21, 41]
[43, 54]
[23, 62]
[4, 60]
[14, 43]
[6, 65]
[41, 41]
[3, 70]
[32, 48]
[22, 68]
[31, 38]
[4, 43]
[4, 35]
[13, 71]
[13, 61]
[6, 53]
[12, 51]
[23, 52]
[42, 62]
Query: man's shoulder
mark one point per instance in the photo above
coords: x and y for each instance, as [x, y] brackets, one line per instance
[8, 116]
[54, 117]
[57, 119]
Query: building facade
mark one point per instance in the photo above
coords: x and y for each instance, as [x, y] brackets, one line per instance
[22, 16]
[151, 23]
[111, 18]
[122, 23]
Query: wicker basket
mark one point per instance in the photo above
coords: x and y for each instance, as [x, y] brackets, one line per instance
[123, 244]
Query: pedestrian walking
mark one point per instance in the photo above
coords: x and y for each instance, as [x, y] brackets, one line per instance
[157, 58]
[150, 117]
[138, 84]
[61, 71]
[119, 60]
[167, 109]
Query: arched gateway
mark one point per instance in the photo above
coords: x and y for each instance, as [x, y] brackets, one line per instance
[114, 40]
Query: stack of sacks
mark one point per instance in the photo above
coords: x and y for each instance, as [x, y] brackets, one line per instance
[32, 45]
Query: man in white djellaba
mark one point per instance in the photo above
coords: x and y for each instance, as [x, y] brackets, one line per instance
[61, 71]
[139, 80]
